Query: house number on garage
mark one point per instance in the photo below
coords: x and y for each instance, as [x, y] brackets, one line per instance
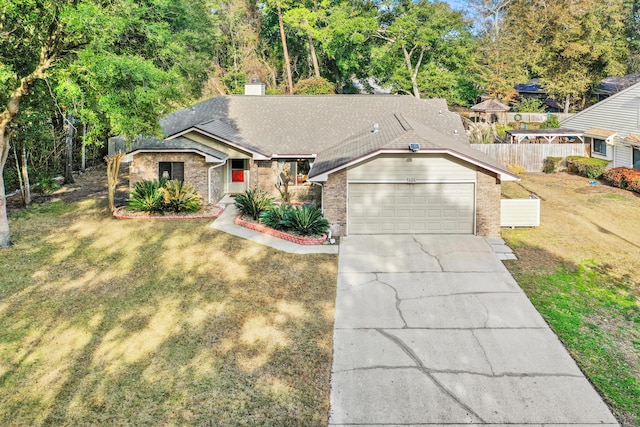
[411, 180]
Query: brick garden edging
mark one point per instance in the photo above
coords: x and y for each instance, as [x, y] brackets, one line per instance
[279, 234]
[118, 215]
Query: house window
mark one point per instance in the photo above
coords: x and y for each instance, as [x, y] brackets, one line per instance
[636, 158]
[171, 170]
[600, 146]
[297, 170]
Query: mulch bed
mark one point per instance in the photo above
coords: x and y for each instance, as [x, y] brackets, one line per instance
[280, 234]
[207, 211]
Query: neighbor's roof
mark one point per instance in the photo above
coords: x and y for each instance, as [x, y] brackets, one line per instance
[614, 84]
[600, 132]
[302, 125]
[490, 106]
[396, 132]
[532, 86]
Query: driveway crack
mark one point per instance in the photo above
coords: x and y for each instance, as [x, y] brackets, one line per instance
[398, 300]
[428, 373]
[427, 252]
[484, 352]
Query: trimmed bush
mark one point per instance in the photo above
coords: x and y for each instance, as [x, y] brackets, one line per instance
[516, 169]
[179, 196]
[146, 196]
[550, 164]
[276, 216]
[627, 179]
[586, 166]
[551, 123]
[254, 202]
[306, 221]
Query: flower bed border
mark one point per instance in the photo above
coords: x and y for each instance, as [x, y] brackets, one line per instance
[118, 215]
[279, 234]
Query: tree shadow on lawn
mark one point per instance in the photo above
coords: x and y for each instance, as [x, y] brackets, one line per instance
[596, 314]
[160, 322]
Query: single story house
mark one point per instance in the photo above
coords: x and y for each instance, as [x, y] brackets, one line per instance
[612, 127]
[376, 164]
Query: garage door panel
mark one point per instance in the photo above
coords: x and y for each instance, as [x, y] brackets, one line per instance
[411, 208]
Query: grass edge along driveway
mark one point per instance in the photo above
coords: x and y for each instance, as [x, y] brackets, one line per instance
[578, 269]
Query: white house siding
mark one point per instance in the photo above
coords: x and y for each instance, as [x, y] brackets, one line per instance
[408, 167]
[619, 113]
[623, 157]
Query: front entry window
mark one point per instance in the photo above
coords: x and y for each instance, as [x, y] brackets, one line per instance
[636, 158]
[237, 170]
[171, 170]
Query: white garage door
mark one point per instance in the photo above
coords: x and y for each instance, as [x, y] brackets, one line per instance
[446, 208]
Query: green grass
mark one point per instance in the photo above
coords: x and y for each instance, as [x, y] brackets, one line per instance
[146, 323]
[598, 320]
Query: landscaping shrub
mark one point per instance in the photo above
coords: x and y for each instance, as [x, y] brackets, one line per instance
[481, 133]
[146, 196]
[276, 216]
[501, 130]
[586, 166]
[254, 202]
[306, 220]
[46, 184]
[627, 179]
[552, 122]
[550, 164]
[529, 105]
[516, 169]
[179, 196]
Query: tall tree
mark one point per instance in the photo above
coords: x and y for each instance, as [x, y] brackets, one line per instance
[419, 33]
[135, 59]
[570, 44]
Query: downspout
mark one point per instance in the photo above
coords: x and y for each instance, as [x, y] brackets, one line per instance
[330, 239]
[209, 177]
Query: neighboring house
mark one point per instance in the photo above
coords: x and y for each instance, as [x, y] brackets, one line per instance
[612, 127]
[375, 164]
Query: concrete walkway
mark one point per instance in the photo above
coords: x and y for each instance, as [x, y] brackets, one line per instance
[225, 223]
[433, 330]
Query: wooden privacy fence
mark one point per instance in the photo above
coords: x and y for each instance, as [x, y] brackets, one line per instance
[530, 156]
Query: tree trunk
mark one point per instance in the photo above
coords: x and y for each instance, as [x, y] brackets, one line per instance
[5, 237]
[15, 156]
[314, 57]
[113, 167]
[47, 56]
[25, 179]
[83, 163]
[287, 62]
[68, 166]
[567, 103]
[413, 71]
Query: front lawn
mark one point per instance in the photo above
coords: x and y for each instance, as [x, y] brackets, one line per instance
[147, 323]
[579, 268]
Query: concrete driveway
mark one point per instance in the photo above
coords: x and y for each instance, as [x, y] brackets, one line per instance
[433, 330]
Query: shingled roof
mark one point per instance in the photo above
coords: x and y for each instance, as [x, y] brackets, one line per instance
[301, 125]
[395, 132]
